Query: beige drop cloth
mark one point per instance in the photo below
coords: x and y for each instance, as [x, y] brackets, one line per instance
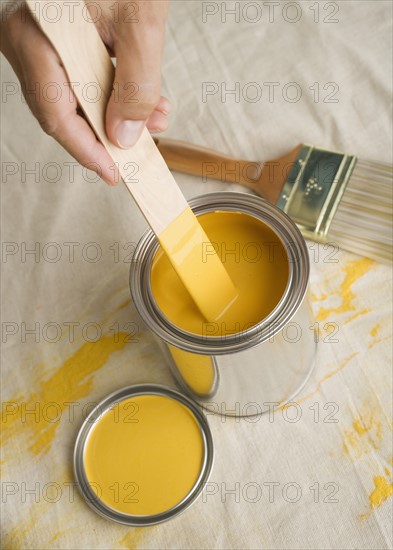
[338, 455]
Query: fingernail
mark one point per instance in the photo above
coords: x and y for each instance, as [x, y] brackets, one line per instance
[128, 132]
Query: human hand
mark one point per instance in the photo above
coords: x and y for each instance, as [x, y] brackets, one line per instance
[137, 42]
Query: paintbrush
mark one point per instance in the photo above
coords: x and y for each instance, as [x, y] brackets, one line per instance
[332, 197]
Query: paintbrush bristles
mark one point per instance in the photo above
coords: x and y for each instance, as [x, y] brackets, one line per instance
[363, 220]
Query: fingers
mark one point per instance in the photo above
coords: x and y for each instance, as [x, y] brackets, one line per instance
[44, 84]
[60, 120]
[164, 106]
[135, 100]
[158, 121]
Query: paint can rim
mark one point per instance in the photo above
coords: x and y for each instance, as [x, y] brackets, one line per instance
[104, 406]
[291, 300]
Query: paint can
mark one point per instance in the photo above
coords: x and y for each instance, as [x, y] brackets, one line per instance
[248, 372]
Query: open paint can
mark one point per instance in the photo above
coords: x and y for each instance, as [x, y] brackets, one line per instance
[265, 355]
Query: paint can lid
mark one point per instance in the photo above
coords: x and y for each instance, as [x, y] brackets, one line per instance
[143, 455]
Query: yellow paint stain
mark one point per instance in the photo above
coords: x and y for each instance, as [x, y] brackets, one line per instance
[132, 538]
[377, 341]
[17, 537]
[56, 536]
[362, 517]
[358, 314]
[353, 271]
[118, 309]
[321, 298]
[375, 334]
[382, 491]
[349, 442]
[122, 306]
[360, 428]
[70, 382]
[11, 541]
[364, 436]
[327, 376]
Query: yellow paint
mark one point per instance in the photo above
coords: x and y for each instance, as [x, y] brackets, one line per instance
[382, 491]
[374, 331]
[18, 537]
[316, 298]
[375, 334]
[256, 262]
[119, 308]
[23, 535]
[56, 536]
[132, 539]
[69, 383]
[353, 271]
[145, 455]
[364, 436]
[360, 428]
[111, 315]
[357, 315]
[197, 371]
[206, 279]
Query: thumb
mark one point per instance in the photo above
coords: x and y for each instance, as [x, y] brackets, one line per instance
[137, 85]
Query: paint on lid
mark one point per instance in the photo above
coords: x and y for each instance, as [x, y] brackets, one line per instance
[143, 455]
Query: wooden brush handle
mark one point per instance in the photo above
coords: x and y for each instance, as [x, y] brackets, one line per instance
[87, 62]
[265, 178]
[200, 161]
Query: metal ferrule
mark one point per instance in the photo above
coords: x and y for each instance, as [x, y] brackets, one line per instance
[314, 187]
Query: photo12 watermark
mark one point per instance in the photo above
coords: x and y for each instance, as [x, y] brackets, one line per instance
[55, 92]
[273, 411]
[69, 252]
[69, 10]
[292, 333]
[71, 412]
[270, 492]
[264, 11]
[270, 92]
[66, 172]
[52, 332]
[52, 492]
